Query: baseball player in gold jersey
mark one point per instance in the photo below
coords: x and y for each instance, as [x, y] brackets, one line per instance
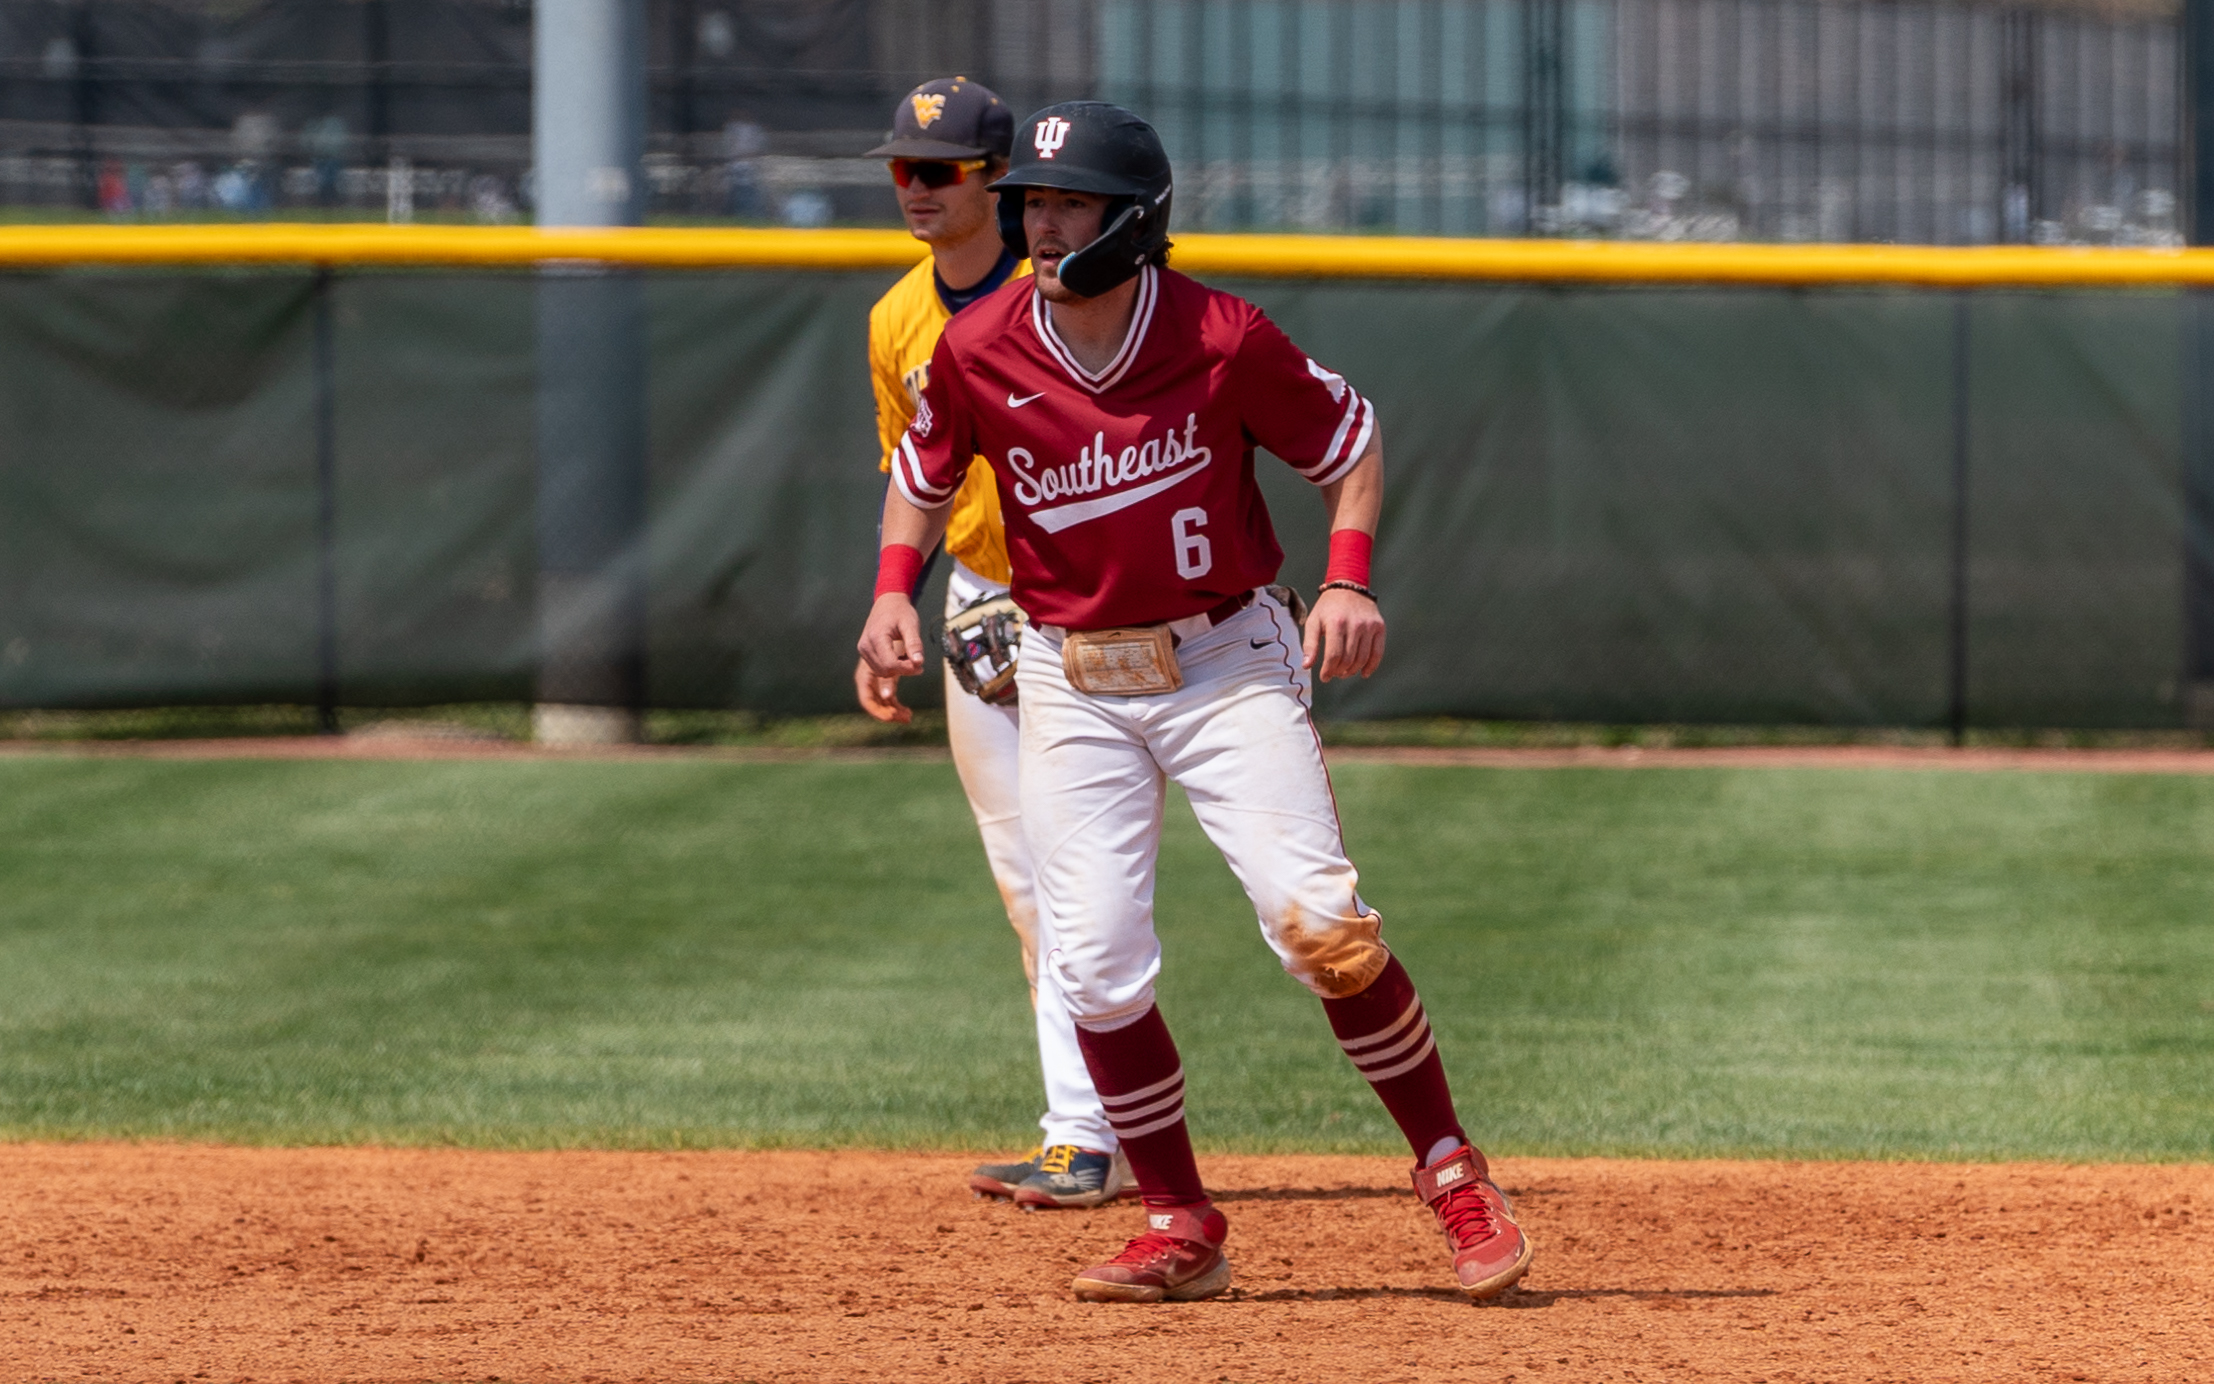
[949, 139]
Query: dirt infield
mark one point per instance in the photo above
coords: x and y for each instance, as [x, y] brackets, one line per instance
[399, 746]
[158, 1263]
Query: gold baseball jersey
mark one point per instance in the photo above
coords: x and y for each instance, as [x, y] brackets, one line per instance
[903, 331]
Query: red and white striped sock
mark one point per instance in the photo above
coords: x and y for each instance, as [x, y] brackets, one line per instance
[1385, 1032]
[1141, 1084]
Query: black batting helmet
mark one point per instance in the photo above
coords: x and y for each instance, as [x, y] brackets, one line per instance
[1090, 146]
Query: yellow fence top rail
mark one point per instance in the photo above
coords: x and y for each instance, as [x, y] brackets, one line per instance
[1267, 256]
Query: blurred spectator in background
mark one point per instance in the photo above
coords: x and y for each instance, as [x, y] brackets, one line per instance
[488, 200]
[161, 194]
[191, 186]
[115, 194]
[326, 143]
[807, 209]
[743, 144]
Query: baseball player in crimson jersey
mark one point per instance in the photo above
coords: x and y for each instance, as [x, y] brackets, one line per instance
[950, 138]
[1120, 406]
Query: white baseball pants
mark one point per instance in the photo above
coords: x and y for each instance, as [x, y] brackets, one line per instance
[1237, 738]
[986, 743]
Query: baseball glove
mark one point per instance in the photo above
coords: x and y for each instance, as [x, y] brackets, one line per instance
[982, 640]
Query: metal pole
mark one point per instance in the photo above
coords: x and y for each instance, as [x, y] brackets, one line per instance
[589, 121]
[1543, 111]
[84, 90]
[1956, 663]
[326, 508]
[376, 42]
[2018, 125]
[2198, 361]
[684, 27]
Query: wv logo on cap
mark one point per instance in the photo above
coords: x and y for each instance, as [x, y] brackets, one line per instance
[928, 107]
[1052, 133]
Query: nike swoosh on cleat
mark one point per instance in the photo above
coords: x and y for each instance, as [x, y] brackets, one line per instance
[1013, 402]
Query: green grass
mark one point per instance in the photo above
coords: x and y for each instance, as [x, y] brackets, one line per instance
[510, 721]
[747, 729]
[687, 953]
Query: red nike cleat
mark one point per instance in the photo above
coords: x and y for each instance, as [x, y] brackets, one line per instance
[1490, 1252]
[1178, 1259]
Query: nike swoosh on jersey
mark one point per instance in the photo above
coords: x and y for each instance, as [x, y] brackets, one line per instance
[1013, 402]
[1060, 517]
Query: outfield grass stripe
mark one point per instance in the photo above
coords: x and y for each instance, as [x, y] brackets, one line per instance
[1875, 963]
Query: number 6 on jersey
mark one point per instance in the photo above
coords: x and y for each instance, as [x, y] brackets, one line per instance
[1195, 556]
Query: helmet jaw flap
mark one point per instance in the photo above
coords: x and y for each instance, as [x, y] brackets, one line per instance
[1135, 230]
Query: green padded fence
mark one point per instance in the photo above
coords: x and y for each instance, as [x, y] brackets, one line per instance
[1620, 504]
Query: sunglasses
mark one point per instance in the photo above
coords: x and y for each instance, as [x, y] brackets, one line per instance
[933, 173]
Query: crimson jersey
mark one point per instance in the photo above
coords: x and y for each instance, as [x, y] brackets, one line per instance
[1129, 495]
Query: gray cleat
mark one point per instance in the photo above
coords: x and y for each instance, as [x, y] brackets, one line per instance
[1001, 1179]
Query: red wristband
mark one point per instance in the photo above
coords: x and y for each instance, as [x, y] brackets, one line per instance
[897, 566]
[1349, 554]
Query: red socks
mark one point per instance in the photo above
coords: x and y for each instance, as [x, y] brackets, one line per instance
[1141, 1084]
[1383, 1029]
[1385, 1032]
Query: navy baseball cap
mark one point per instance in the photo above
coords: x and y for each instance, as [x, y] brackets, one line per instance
[950, 118]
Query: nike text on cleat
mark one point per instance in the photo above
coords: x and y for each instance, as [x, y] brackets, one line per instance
[1178, 1259]
[1001, 1179]
[1490, 1252]
[1070, 1176]
[1013, 402]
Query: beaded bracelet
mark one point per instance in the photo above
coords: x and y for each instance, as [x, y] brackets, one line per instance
[1343, 585]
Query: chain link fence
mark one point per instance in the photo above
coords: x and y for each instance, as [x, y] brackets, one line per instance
[1656, 119]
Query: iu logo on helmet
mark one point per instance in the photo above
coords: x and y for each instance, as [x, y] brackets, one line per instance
[1052, 133]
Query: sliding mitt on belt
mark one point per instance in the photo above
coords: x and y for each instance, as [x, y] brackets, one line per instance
[982, 640]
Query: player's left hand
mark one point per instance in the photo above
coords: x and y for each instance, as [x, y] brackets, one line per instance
[1345, 631]
[879, 696]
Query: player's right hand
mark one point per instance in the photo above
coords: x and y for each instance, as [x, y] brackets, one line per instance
[891, 643]
[1345, 631]
[879, 696]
